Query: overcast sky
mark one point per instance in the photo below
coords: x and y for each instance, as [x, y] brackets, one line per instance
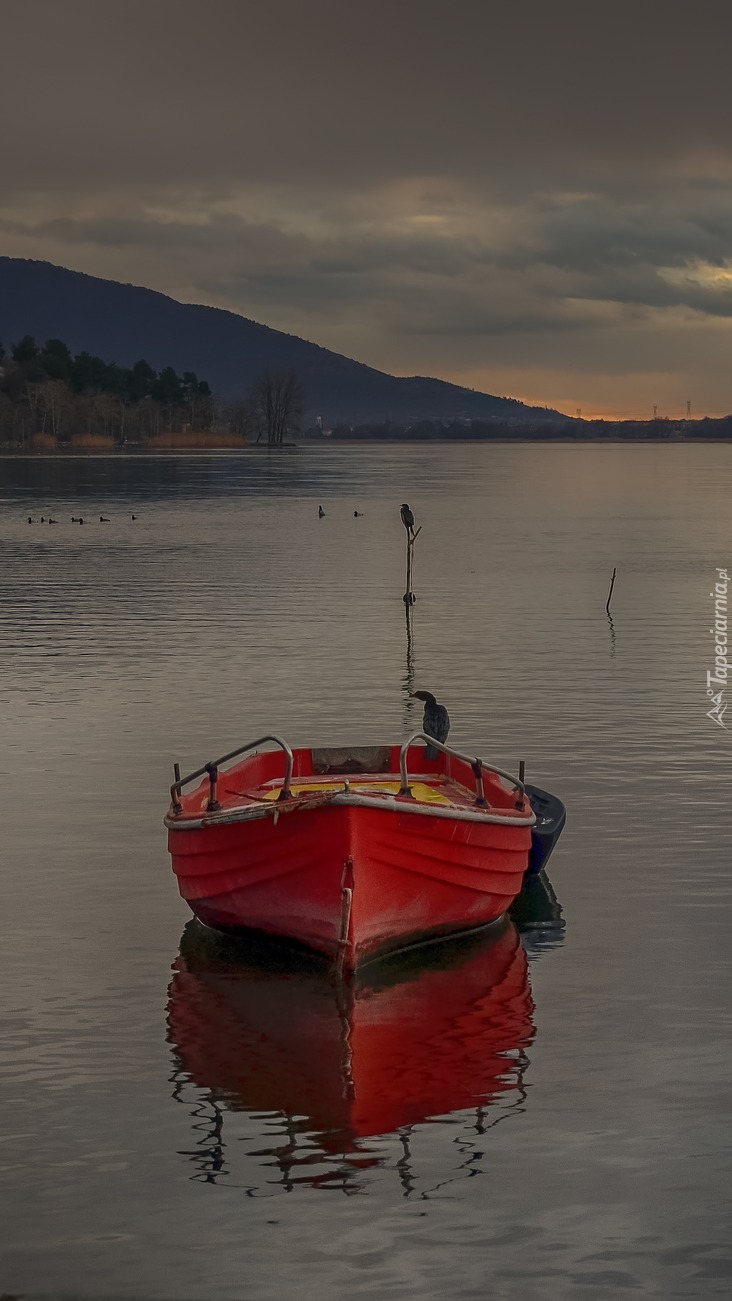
[533, 199]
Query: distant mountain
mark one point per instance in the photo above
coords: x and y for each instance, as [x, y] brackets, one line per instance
[123, 323]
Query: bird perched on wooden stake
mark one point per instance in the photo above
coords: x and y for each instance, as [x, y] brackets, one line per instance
[407, 518]
[435, 721]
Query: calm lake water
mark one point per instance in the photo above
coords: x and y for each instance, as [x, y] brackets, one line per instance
[549, 1112]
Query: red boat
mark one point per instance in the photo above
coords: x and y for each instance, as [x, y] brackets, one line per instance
[350, 852]
[413, 1037]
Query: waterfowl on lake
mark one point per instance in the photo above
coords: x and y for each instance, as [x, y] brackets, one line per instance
[133, 517]
[435, 721]
[321, 512]
[52, 521]
[103, 519]
[407, 518]
[30, 519]
[357, 514]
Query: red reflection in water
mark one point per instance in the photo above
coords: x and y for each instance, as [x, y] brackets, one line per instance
[435, 1031]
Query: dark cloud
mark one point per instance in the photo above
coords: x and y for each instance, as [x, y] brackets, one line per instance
[436, 187]
[376, 91]
[218, 233]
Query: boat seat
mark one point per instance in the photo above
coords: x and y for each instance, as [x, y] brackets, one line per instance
[363, 758]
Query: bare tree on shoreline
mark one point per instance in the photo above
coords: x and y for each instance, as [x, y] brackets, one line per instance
[278, 401]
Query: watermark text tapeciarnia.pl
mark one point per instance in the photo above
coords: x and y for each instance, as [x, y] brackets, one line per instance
[718, 680]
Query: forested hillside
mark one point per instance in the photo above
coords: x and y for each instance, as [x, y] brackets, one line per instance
[127, 322]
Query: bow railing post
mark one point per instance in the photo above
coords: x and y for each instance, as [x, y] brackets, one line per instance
[480, 799]
[213, 783]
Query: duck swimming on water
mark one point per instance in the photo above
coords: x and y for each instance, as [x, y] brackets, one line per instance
[321, 512]
[435, 721]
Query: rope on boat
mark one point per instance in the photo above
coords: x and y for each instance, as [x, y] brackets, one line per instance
[347, 883]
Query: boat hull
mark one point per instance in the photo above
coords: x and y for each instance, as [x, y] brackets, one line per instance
[347, 881]
[551, 816]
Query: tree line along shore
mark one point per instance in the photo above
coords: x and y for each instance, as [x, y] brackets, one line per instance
[545, 431]
[51, 400]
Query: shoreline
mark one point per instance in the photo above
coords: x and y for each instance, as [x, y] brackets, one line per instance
[121, 453]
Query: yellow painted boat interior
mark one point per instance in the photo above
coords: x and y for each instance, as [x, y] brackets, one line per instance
[422, 792]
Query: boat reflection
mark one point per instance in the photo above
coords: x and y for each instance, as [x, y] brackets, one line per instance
[330, 1066]
[538, 914]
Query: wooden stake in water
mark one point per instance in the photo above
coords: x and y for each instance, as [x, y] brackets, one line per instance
[609, 595]
[409, 597]
[408, 593]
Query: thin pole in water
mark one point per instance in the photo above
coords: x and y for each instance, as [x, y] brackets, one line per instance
[409, 597]
[609, 595]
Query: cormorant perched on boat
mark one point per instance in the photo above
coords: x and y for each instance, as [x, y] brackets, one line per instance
[407, 518]
[435, 721]
[321, 512]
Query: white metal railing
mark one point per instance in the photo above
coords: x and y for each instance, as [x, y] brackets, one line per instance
[477, 766]
[212, 768]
